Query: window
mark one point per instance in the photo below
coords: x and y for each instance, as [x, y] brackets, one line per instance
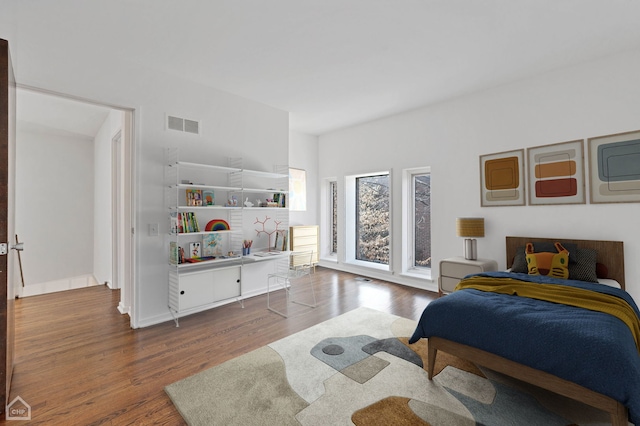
[372, 218]
[421, 195]
[333, 205]
[416, 222]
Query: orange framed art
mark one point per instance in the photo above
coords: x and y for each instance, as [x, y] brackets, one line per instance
[502, 179]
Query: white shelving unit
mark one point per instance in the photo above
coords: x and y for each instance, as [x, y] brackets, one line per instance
[216, 278]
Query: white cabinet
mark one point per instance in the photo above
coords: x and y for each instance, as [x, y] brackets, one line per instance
[212, 209]
[193, 289]
[305, 238]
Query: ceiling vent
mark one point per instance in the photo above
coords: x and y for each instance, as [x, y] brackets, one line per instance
[183, 125]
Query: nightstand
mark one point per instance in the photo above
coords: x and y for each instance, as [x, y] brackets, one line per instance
[453, 269]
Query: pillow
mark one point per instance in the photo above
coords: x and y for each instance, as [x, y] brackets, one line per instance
[520, 262]
[585, 267]
[543, 246]
[548, 263]
[602, 271]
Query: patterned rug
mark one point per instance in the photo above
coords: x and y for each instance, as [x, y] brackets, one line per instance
[358, 369]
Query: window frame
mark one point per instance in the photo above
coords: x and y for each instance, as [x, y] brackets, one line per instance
[332, 186]
[351, 221]
[408, 224]
[326, 220]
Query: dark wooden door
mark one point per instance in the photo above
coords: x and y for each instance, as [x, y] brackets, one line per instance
[7, 228]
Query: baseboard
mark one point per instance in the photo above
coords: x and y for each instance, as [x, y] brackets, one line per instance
[58, 285]
[423, 283]
[124, 309]
[165, 317]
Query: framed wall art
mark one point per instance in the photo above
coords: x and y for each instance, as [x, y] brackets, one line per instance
[614, 168]
[502, 179]
[297, 189]
[556, 173]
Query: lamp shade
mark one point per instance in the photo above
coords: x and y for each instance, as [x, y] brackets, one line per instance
[470, 227]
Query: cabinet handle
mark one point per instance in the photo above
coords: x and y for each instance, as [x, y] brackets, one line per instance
[182, 292]
[238, 280]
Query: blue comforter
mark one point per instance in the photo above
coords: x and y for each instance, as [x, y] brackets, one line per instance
[593, 349]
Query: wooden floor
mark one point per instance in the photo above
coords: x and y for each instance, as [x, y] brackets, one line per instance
[78, 362]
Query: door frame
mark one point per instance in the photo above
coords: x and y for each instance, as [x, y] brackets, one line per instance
[116, 213]
[126, 248]
[8, 262]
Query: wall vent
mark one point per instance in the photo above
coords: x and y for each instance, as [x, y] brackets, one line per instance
[183, 125]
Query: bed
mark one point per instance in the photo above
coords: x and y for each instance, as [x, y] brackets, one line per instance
[584, 354]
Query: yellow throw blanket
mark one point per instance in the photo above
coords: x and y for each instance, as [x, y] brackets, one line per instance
[566, 295]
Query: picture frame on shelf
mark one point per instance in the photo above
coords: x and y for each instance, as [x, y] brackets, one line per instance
[281, 240]
[502, 179]
[211, 245]
[614, 168]
[195, 249]
[194, 197]
[556, 173]
[208, 198]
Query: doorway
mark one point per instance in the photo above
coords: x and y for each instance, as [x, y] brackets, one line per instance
[74, 194]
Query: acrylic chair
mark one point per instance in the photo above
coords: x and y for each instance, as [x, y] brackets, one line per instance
[297, 272]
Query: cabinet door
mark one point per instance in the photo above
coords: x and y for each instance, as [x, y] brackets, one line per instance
[226, 283]
[196, 289]
[448, 284]
[458, 270]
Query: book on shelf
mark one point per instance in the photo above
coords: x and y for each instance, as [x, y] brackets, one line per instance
[194, 222]
[266, 253]
[173, 253]
[194, 197]
[281, 242]
[199, 259]
[208, 198]
[175, 223]
[176, 253]
[184, 222]
[280, 199]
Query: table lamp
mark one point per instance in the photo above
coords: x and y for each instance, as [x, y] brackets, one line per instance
[469, 227]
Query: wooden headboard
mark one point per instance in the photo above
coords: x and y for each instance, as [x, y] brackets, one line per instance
[610, 253]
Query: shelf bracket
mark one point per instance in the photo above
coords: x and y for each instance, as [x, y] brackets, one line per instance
[176, 319]
[240, 302]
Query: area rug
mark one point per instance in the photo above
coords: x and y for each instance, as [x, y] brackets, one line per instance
[358, 369]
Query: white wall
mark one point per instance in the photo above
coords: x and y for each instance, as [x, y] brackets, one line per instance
[593, 99]
[303, 154]
[54, 199]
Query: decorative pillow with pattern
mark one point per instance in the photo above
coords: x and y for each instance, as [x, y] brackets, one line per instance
[585, 269]
[520, 261]
[547, 263]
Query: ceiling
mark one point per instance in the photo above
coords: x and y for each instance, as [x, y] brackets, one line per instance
[337, 63]
[40, 112]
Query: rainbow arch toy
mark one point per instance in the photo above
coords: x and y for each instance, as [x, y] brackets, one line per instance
[217, 225]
